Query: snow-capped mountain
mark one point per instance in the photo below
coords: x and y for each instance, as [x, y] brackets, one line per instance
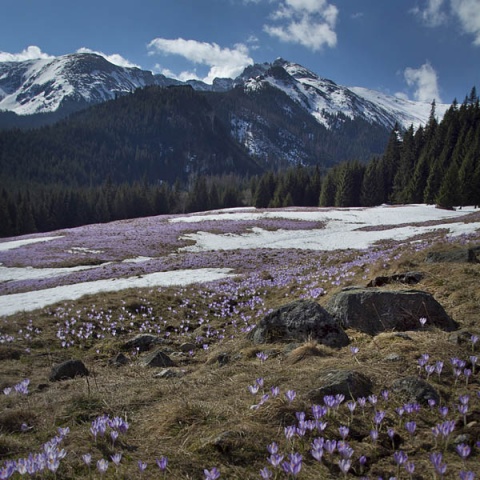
[77, 80]
[44, 85]
[325, 100]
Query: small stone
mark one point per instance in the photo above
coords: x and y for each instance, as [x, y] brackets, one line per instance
[157, 359]
[141, 342]
[67, 370]
[416, 389]
[168, 373]
[394, 357]
[118, 360]
[345, 382]
[187, 347]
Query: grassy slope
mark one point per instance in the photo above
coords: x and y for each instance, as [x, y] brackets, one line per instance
[203, 418]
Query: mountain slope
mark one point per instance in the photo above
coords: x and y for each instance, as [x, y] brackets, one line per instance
[45, 85]
[156, 134]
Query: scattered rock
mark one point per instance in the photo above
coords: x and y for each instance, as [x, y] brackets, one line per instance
[346, 382]
[119, 360]
[142, 342]
[410, 278]
[169, 373]
[373, 311]
[416, 389]
[458, 255]
[461, 337]
[157, 359]
[68, 369]
[9, 353]
[393, 357]
[187, 347]
[301, 320]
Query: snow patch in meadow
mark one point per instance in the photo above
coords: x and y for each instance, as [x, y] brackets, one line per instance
[4, 246]
[8, 274]
[382, 215]
[28, 301]
[336, 236]
[83, 251]
[137, 260]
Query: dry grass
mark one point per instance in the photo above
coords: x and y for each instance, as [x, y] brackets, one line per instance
[203, 417]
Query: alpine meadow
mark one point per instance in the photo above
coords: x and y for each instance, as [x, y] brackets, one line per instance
[214, 265]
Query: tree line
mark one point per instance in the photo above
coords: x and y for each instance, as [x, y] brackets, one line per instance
[438, 163]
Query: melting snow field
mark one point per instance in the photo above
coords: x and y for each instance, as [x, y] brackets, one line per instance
[132, 244]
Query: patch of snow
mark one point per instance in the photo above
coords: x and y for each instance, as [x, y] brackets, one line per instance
[4, 246]
[83, 250]
[18, 302]
[137, 260]
[8, 274]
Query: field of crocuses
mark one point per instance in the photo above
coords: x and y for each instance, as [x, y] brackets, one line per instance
[195, 286]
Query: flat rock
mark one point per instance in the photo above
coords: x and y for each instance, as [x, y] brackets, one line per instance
[373, 311]
[458, 255]
[350, 383]
[416, 389]
[301, 320]
[157, 359]
[141, 342]
[409, 278]
[67, 370]
[119, 360]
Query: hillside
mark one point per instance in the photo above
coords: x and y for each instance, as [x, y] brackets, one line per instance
[226, 407]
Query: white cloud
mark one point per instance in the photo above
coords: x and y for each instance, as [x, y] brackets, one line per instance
[425, 81]
[30, 53]
[115, 58]
[223, 62]
[433, 14]
[468, 13]
[182, 76]
[310, 23]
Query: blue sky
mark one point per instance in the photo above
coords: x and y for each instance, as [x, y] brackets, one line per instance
[418, 49]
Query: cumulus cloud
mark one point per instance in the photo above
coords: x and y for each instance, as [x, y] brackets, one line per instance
[310, 23]
[439, 12]
[30, 53]
[425, 82]
[468, 13]
[115, 58]
[432, 14]
[223, 62]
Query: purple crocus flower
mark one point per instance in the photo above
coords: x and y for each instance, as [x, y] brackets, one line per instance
[162, 463]
[102, 465]
[463, 450]
[142, 466]
[265, 473]
[212, 474]
[344, 465]
[290, 395]
[116, 459]
[411, 427]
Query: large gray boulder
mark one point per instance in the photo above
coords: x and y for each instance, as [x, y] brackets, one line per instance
[373, 311]
[301, 320]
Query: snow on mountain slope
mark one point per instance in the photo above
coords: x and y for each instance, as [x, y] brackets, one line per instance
[325, 100]
[44, 85]
[406, 111]
[37, 86]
